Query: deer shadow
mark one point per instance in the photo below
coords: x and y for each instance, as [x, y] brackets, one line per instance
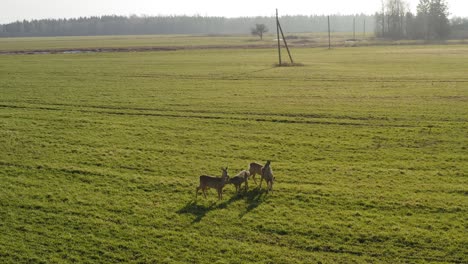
[253, 198]
[200, 210]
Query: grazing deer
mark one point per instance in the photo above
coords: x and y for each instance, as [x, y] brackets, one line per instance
[267, 174]
[241, 177]
[255, 169]
[213, 182]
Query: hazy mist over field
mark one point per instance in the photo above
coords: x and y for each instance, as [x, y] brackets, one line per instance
[12, 10]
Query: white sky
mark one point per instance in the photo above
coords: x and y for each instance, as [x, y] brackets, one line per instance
[12, 10]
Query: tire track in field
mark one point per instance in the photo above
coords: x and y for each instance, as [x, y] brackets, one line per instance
[46, 106]
[242, 75]
[213, 117]
[63, 170]
[109, 107]
[86, 174]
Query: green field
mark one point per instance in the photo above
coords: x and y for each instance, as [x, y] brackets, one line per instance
[101, 153]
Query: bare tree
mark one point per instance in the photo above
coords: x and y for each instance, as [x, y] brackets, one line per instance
[259, 30]
[396, 12]
[383, 18]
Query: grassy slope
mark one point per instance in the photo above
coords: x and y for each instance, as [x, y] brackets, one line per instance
[101, 155]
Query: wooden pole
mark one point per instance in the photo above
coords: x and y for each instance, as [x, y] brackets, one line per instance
[285, 43]
[354, 28]
[364, 27]
[329, 42]
[277, 36]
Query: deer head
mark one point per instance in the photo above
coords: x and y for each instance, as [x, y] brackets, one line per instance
[225, 175]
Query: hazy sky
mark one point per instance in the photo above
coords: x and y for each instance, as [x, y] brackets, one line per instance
[12, 10]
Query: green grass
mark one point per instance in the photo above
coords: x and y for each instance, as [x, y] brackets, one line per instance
[101, 153]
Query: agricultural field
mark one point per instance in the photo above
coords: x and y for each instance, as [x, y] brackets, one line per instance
[101, 154]
[139, 41]
[172, 42]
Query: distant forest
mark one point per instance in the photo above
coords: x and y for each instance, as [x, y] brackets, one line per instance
[138, 25]
[394, 21]
[430, 21]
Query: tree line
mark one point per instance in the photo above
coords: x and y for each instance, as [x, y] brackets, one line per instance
[393, 21]
[396, 21]
[136, 25]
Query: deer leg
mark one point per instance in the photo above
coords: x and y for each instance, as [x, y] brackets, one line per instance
[253, 177]
[204, 192]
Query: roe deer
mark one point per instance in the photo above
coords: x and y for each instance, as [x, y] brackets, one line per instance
[267, 174]
[213, 182]
[240, 178]
[255, 169]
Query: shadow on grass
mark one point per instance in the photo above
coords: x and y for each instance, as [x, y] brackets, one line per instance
[200, 211]
[253, 199]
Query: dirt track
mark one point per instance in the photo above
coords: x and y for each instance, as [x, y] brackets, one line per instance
[131, 49]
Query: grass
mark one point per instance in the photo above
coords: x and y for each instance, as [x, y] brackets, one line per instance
[172, 41]
[101, 155]
[177, 42]
[140, 41]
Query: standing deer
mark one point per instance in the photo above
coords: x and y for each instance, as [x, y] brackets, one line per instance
[255, 169]
[213, 182]
[241, 177]
[267, 174]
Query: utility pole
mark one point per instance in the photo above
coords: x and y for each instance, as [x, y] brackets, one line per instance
[278, 30]
[354, 28]
[285, 43]
[277, 36]
[364, 30]
[329, 43]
